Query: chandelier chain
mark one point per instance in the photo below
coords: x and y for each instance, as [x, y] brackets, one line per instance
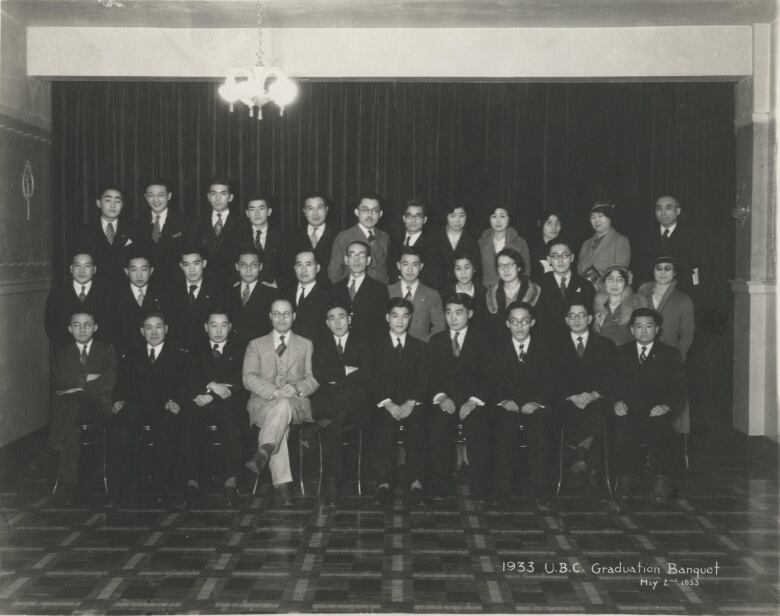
[259, 56]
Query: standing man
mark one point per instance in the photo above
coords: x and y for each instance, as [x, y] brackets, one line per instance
[428, 314]
[649, 391]
[248, 300]
[267, 240]
[368, 212]
[315, 235]
[413, 236]
[278, 375]
[309, 296]
[161, 232]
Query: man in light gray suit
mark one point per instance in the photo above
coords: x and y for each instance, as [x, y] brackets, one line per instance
[278, 374]
[428, 316]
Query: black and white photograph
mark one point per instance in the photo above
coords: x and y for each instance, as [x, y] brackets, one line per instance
[389, 306]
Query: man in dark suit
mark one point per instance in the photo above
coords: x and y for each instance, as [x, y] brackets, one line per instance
[523, 392]
[649, 391]
[366, 297]
[559, 287]
[80, 293]
[400, 393]
[309, 296]
[217, 231]
[109, 237]
[190, 300]
[461, 357]
[249, 300]
[136, 298]
[151, 391]
[341, 365]
[428, 313]
[161, 233]
[215, 397]
[413, 236]
[584, 369]
[368, 212]
[315, 235]
[83, 375]
[266, 239]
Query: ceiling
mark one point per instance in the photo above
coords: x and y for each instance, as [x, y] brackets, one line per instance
[393, 13]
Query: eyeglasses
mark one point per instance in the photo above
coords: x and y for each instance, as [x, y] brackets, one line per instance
[575, 316]
[560, 255]
[369, 210]
[250, 266]
[282, 315]
[506, 266]
[664, 268]
[519, 322]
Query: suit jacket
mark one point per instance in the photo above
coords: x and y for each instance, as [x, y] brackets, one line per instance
[110, 259]
[684, 245]
[298, 241]
[367, 309]
[271, 253]
[203, 368]
[220, 249]
[676, 309]
[310, 314]
[488, 254]
[338, 389]
[428, 318]
[187, 318]
[128, 315]
[553, 306]
[166, 251]
[63, 302]
[527, 381]
[67, 372]
[377, 269]
[147, 386]
[400, 378]
[250, 321]
[613, 249]
[264, 372]
[440, 264]
[659, 380]
[594, 371]
[428, 274]
[463, 376]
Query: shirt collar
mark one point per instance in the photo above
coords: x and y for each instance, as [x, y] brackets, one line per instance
[558, 277]
[413, 287]
[412, 237]
[343, 339]
[461, 333]
[225, 213]
[220, 345]
[136, 290]
[394, 337]
[526, 343]
[365, 229]
[114, 223]
[197, 285]
[583, 335]
[77, 287]
[312, 229]
[648, 347]
[86, 345]
[251, 285]
[278, 338]
[163, 217]
[261, 228]
[671, 228]
[157, 350]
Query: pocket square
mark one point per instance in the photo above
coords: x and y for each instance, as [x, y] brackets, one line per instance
[175, 235]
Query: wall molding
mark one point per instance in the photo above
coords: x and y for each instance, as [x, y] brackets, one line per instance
[753, 287]
[32, 285]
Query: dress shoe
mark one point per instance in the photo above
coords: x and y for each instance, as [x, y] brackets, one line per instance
[191, 496]
[662, 489]
[68, 494]
[624, 492]
[282, 496]
[542, 502]
[230, 498]
[383, 496]
[416, 496]
[258, 462]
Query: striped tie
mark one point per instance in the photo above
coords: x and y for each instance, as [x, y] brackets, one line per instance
[245, 295]
[218, 225]
[156, 230]
[282, 346]
[110, 233]
[83, 294]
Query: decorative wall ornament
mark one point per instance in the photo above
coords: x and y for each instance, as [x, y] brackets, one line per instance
[28, 185]
[112, 4]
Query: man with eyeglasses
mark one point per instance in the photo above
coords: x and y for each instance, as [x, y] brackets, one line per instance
[522, 392]
[559, 287]
[278, 375]
[368, 213]
[584, 372]
[316, 235]
[649, 392]
[256, 231]
[413, 235]
[248, 300]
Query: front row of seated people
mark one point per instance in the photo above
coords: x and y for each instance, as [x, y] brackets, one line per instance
[349, 377]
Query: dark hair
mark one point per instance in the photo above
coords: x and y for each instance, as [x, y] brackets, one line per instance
[314, 195]
[399, 302]
[462, 253]
[110, 186]
[451, 206]
[158, 181]
[560, 240]
[415, 203]
[412, 252]
[217, 310]
[248, 250]
[218, 179]
[193, 250]
[337, 303]
[492, 210]
[83, 310]
[311, 250]
[137, 253]
[259, 196]
[512, 254]
[545, 215]
[370, 194]
[579, 300]
[646, 312]
[281, 299]
[460, 298]
[155, 314]
[79, 251]
[362, 243]
[524, 305]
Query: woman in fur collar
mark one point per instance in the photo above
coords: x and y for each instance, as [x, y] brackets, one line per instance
[499, 236]
[613, 305]
[513, 286]
[606, 247]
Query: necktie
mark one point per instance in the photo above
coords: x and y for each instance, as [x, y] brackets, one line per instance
[313, 238]
[643, 355]
[83, 294]
[110, 233]
[282, 346]
[666, 234]
[258, 242]
[156, 230]
[456, 344]
[352, 289]
[408, 295]
[580, 346]
[399, 348]
[299, 301]
[215, 350]
[521, 353]
[563, 286]
[218, 225]
[83, 358]
[140, 297]
[408, 241]
[340, 349]
[152, 356]
[245, 295]
[371, 236]
[665, 238]
[192, 293]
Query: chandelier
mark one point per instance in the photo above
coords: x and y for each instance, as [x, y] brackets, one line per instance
[260, 84]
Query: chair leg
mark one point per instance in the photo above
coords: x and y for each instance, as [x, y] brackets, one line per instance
[319, 447]
[360, 463]
[300, 466]
[560, 465]
[605, 449]
[56, 484]
[105, 454]
[686, 460]
[257, 483]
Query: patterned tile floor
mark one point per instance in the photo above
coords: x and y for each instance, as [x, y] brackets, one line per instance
[450, 556]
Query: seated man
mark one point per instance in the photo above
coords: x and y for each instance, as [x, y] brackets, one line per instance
[215, 397]
[278, 375]
[342, 361]
[249, 300]
[83, 374]
[150, 393]
[524, 390]
[461, 356]
[428, 314]
[649, 390]
[584, 369]
[400, 389]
